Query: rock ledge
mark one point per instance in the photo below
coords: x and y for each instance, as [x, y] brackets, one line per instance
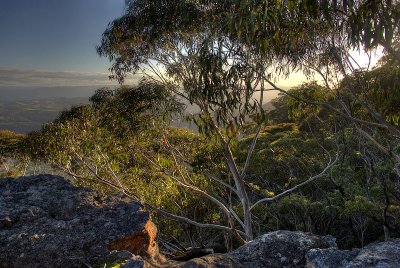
[45, 221]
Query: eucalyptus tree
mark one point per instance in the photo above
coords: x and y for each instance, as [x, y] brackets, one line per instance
[185, 47]
[320, 38]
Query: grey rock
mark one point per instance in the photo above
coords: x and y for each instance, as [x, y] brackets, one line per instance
[45, 221]
[211, 261]
[275, 249]
[383, 255]
[280, 249]
[331, 257]
[124, 254]
[298, 249]
[380, 254]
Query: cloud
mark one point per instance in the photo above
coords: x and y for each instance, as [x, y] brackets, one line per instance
[29, 78]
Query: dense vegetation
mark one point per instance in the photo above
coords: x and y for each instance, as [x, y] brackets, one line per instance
[11, 159]
[325, 160]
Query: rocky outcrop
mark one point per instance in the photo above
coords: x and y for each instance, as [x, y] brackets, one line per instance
[298, 249]
[47, 222]
[383, 254]
[275, 249]
[281, 249]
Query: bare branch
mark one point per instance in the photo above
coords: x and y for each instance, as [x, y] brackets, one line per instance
[235, 215]
[189, 221]
[269, 199]
[159, 211]
[229, 213]
[250, 152]
[204, 172]
[208, 175]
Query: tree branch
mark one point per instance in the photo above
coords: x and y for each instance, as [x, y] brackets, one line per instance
[250, 152]
[98, 178]
[269, 199]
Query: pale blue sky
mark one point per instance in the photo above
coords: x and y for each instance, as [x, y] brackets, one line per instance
[38, 37]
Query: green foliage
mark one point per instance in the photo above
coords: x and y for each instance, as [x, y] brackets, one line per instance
[132, 109]
[13, 161]
[280, 111]
[293, 31]
[137, 44]
[360, 205]
[381, 87]
[122, 134]
[216, 55]
[114, 264]
[350, 202]
[9, 141]
[308, 92]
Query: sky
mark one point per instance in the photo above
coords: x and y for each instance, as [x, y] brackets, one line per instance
[53, 42]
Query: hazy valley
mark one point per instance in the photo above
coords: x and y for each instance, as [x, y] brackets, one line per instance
[26, 109]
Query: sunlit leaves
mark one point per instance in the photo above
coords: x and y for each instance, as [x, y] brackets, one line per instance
[380, 87]
[298, 104]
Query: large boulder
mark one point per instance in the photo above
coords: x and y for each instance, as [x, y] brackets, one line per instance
[275, 249]
[380, 254]
[45, 221]
[298, 249]
[281, 249]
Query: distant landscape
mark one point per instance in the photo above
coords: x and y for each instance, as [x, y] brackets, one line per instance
[26, 109]
[250, 128]
[23, 110]
[28, 115]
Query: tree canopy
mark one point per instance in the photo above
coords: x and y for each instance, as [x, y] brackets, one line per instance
[223, 55]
